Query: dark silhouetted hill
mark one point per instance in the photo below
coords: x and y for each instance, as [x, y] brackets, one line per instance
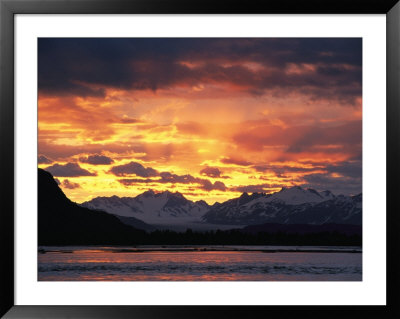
[136, 223]
[63, 222]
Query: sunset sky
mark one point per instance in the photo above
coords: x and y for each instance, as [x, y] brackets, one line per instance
[208, 117]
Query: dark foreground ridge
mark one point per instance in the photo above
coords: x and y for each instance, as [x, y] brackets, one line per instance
[63, 222]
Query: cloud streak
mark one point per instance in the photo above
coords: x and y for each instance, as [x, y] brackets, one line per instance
[97, 160]
[167, 177]
[44, 160]
[68, 184]
[133, 168]
[211, 172]
[68, 170]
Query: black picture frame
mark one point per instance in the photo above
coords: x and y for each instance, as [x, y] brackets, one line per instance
[8, 10]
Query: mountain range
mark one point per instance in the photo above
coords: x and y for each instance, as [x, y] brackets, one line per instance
[163, 208]
[63, 222]
[294, 205]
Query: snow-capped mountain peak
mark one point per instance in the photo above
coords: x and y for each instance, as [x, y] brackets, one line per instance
[288, 206]
[296, 195]
[152, 207]
[327, 194]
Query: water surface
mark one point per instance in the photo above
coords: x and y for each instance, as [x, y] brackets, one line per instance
[199, 263]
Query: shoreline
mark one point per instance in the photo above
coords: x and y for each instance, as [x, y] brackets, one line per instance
[202, 249]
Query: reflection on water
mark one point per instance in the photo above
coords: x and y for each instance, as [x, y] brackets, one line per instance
[177, 264]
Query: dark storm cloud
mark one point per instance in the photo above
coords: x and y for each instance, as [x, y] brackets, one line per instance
[68, 170]
[86, 66]
[133, 168]
[211, 171]
[97, 160]
[44, 160]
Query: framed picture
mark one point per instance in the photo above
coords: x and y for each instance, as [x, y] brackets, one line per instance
[184, 159]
